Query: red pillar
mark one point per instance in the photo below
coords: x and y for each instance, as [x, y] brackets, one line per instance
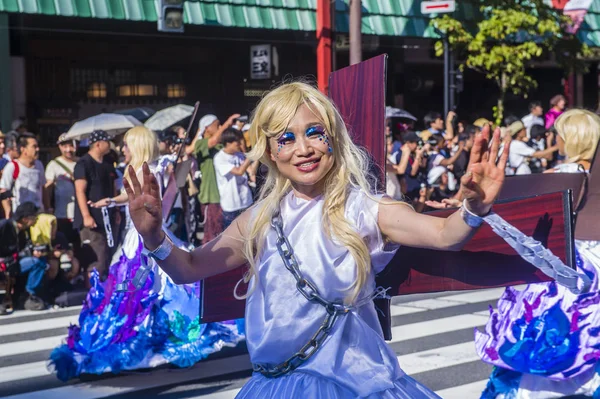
[323, 44]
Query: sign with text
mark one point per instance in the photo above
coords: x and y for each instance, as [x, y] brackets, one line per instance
[437, 7]
[260, 61]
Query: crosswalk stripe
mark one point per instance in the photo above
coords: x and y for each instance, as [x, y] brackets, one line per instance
[22, 313]
[32, 345]
[424, 305]
[27, 326]
[472, 390]
[131, 383]
[433, 359]
[23, 371]
[229, 394]
[436, 326]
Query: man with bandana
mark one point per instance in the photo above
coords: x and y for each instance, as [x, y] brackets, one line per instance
[205, 146]
[95, 180]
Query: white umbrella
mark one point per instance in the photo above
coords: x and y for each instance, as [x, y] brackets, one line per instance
[112, 124]
[168, 117]
[391, 112]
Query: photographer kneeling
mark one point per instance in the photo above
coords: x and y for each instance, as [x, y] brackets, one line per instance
[18, 256]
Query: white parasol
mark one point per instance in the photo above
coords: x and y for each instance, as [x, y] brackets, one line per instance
[112, 124]
[168, 117]
[391, 112]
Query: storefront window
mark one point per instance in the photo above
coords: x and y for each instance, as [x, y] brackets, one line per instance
[137, 91]
[96, 90]
[175, 91]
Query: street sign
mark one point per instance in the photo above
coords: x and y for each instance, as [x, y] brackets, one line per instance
[437, 7]
[260, 61]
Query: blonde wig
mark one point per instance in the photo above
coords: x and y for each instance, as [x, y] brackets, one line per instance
[580, 130]
[143, 145]
[271, 117]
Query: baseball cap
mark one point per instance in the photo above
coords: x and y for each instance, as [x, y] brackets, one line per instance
[98, 135]
[63, 139]
[410, 137]
[205, 122]
[481, 122]
[515, 128]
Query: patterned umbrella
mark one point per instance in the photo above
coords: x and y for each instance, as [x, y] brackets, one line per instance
[168, 117]
[112, 124]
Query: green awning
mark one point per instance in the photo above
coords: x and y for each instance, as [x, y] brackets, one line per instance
[380, 17]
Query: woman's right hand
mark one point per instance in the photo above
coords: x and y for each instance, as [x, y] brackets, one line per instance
[145, 206]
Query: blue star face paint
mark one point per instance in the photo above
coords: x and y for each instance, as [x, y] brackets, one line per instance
[285, 139]
[318, 132]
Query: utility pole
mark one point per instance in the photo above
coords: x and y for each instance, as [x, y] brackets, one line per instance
[323, 44]
[446, 76]
[355, 32]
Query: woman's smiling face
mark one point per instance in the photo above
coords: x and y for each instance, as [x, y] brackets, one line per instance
[303, 153]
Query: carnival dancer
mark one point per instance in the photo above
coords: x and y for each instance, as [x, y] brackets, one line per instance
[315, 241]
[545, 340]
[135, 329]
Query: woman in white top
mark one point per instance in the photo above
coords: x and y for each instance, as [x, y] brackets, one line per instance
[312, 329]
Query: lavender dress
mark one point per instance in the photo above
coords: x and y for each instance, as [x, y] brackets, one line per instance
[354, 360]
[545, 340]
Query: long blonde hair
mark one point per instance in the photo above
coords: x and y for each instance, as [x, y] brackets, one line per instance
[270, 118]
[580, 130]
[143, 145]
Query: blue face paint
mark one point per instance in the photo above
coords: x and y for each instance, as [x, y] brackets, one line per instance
[319, 132]
[285, 138]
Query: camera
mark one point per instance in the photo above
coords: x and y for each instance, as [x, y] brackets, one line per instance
[30, 249]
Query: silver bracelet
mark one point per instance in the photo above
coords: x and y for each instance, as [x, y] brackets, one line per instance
[471, 219]
[163, 251]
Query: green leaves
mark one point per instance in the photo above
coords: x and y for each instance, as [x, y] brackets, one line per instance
[510, 36]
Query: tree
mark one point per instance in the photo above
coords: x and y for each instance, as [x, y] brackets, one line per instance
[510, 36]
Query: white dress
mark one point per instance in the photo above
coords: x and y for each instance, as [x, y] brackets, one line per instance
[354, 360]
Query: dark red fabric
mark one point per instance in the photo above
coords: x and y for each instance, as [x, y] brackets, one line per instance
[213, 225]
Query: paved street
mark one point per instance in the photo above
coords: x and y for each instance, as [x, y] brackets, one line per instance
[433, 338]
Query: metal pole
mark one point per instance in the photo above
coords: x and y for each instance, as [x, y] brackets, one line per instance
[446, 76]
[355, 32]
[323, 44]
[5, 75]
[452, 101]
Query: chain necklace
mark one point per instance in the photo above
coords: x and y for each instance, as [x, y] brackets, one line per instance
[311, 293]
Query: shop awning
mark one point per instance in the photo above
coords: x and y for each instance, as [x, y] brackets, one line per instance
[380, 17]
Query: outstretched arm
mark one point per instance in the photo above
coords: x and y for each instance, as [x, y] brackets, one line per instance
[218, 256]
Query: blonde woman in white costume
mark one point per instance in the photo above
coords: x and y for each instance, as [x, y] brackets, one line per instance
[317, 198]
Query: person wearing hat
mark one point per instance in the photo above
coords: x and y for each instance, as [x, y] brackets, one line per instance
[520, 151]
[18, 256]
[95, 180]
[205, 146]
[60, 182]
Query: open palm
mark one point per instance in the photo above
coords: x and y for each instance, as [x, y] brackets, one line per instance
[483, 181]
[145, 205]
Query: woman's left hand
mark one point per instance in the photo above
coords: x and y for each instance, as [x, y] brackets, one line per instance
[483, 181]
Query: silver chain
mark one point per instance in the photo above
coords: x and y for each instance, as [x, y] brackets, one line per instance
[311, 293]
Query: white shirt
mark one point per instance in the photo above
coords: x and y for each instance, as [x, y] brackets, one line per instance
[234, 190]
[517, 158]
[28, 186]
[530, 120]
[64, 187]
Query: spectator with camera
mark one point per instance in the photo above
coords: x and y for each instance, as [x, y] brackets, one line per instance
[18, 256]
